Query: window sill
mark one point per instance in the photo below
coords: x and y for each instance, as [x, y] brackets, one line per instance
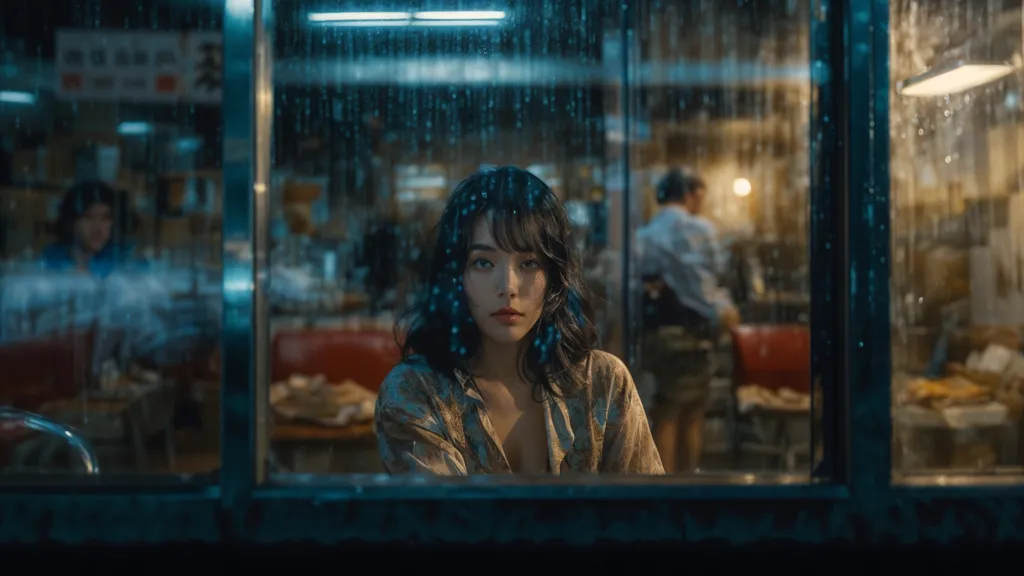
[702, 487]
[1006, 483]
[119, 484]
[624, 509]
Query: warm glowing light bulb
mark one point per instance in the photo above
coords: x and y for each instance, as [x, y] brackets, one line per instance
[741, 187]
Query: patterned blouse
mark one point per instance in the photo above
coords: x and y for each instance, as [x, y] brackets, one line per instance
[429, 423]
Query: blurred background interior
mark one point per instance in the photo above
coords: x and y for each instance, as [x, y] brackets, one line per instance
[378, 114]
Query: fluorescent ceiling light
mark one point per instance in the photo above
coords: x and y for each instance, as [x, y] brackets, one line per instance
[953, 79]
[443, 23]
[368, 23]
[461, 15]
[188, 144]
[422, 182]
[134, 128]
[240, 7]
[418, 19]
[358, 16]
[13, 97]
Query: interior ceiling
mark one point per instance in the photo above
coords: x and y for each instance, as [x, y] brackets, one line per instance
[28, 27]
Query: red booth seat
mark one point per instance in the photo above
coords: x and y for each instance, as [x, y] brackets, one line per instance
[38, 371]
[772, 357]
[361, 355]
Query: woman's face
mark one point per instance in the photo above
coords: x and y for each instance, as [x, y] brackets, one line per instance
[92, 229]
[505, 290]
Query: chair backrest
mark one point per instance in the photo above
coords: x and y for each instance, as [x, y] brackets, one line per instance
[772, 357]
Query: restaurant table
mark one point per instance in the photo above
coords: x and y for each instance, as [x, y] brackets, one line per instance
[124, 418]
[315, 449]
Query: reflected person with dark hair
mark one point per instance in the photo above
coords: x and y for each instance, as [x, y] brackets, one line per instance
[130, 309]
[500, 373]
[94, 230]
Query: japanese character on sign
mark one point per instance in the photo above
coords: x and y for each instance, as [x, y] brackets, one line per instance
[74, 57]
[210, 66]
[166, 58]
[122, 58]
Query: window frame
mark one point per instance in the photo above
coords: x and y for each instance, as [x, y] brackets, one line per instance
[852, 495]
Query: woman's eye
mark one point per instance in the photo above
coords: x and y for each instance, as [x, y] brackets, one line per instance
[481, 263]
[531, 264]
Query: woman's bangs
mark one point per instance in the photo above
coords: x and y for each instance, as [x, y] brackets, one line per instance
[518, 209]
[519, 231]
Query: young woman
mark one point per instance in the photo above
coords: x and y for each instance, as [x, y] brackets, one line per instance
[94, 230]
[500, 373]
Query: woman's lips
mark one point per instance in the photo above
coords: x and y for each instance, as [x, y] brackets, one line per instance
[507, 317]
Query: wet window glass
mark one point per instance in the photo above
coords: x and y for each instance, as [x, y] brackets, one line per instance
[957, 254]
[109, 237]
[719, 165]
[669, 147]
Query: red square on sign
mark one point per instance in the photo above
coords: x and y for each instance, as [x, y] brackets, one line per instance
[71, 81]
[166, 83]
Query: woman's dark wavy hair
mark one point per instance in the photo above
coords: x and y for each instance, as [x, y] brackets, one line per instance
[82, 196]
[524, 215]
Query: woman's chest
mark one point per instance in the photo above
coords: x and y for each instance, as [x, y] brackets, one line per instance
[514, 421]
[502, 435]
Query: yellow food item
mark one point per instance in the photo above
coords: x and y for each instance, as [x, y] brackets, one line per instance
[948, 391]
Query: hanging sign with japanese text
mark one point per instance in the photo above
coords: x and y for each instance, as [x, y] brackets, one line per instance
[139, 66]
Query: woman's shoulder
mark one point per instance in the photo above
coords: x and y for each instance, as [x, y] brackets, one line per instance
[607, 364]
[608, 373]
[409, 379]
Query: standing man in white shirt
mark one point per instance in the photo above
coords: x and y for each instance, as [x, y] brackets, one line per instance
[684, 311]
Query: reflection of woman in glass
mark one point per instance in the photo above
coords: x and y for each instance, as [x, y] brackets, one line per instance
[500, 373]
[93, 229]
